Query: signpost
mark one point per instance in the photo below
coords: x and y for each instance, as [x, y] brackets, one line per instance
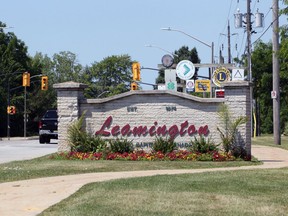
[237, 74]
[190, 86]
[220, 76]
[185, 70]
[202, 86]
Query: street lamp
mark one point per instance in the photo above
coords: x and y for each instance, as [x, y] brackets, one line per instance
[154, 46]
[194, 38]
[200, 41]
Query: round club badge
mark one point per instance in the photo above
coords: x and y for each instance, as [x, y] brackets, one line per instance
[167, 61]
[220, 76]
[185, 70]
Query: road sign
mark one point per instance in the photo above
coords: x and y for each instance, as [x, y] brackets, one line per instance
[237, 74]
[202, 86]
[219, 93]
[167, 61]
[220, 76]
[190, 86]
[273, 94]
[172, 86]
[170, 75]
[185, 70]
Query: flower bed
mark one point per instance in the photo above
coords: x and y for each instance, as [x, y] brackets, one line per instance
[152, 156]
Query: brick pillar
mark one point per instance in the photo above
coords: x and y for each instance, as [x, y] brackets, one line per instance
[68, 96]
[238, 99]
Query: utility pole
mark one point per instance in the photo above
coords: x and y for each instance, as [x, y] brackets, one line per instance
[276, 78]
[248, 29]
[229, 44]
[249, 67]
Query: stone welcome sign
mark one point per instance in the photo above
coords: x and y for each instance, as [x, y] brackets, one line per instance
[141, 116]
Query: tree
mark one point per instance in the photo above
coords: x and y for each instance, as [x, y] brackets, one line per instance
[14, 60]
[39, 101]
[262, 80]
[262, 77]
[112, 75]
[66, 67]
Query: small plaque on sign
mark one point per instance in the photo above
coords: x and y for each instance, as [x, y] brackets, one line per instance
[273, 94]
[167, 61]
[220, 93]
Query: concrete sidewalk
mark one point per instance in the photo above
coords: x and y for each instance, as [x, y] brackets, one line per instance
[30, 197]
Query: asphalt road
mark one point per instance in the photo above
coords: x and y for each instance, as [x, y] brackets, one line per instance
[23, 149]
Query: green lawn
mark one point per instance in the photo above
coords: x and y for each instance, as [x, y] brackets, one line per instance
[258, 192]
[252, 192]
[44, 167]
[268, 140]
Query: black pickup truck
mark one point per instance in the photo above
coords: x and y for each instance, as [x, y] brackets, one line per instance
[48, 126]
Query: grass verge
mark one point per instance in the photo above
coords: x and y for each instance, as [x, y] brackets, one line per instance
[45, 167]
[268, 140]
[257, 192]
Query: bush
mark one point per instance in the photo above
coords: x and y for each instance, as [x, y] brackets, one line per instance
[81, 141]
[229, 130]
[163, 145]
[121, 146]
[286, 129]
[202, 145]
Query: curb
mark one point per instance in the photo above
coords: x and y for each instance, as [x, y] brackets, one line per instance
[18, 138]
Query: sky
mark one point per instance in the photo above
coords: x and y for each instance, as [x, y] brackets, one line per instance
[96, 29]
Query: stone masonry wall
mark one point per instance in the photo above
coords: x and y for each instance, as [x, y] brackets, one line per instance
[68, 96]
[182, 114]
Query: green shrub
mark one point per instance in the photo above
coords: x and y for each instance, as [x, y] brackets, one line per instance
[121, 145]
[81, 141]
[205, 157]
[229, 131]
[203, 145]
[286, 129]
[163, 145]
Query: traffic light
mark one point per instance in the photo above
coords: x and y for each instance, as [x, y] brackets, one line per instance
[136, 71]
[26, 79]
[134, 86]
[44, 83]
[11, 110]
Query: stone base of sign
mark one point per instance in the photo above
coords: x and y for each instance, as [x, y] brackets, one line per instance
[142, 115]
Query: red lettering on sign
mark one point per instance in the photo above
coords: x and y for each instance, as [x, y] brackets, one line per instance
[106, 124]
[162, 130]
[183, 130]
[191, 130]
[141, 130]
[173, 131]
[115, 130]
[152, 130]
[203, 130]
[125, 131]
[138, 131]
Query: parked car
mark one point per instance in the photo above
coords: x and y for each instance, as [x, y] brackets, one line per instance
[48, 126]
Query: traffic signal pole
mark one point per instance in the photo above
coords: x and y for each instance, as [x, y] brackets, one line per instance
[25, 110]
[25, 103]
[8, 114]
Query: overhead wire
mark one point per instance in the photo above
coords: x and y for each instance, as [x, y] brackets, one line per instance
[221, 39]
